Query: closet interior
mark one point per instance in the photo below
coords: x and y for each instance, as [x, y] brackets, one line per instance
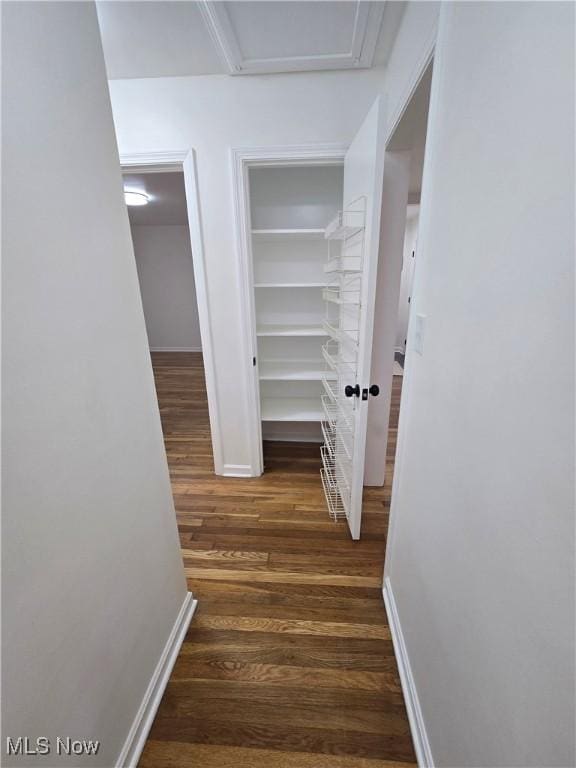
[290, 207]
[306, 266]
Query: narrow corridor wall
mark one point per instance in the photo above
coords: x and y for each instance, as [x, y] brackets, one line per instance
[480, 555]
[92, 577]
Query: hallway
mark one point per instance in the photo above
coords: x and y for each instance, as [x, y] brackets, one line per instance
[288, 662]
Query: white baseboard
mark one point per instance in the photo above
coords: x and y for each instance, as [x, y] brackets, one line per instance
[175, 349]
[238, 470]
[134, 744]
[415, 717]
[400, 350]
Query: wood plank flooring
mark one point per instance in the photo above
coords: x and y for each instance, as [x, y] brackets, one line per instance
[288, 662]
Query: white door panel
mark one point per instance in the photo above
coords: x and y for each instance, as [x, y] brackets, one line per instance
[392, 225]
[363, 176]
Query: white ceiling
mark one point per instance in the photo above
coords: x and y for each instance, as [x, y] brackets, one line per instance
[156, 39]
[186, 37]
[167, 198]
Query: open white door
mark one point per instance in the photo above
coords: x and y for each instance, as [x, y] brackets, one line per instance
[350, 319]
[363, 177]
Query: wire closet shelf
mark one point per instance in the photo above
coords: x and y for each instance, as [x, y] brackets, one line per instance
[342, 297]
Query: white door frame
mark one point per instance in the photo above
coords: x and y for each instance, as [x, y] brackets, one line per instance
[242, 160]
[185, 161]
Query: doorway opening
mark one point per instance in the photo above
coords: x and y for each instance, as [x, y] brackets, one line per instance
[161, 239]
[410, 136]
[408, 142]
[404, 153]
[308, 224]
[290, 207]
[158, 216]
[406, 283]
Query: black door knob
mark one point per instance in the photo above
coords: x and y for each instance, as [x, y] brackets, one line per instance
[374, 390]
[350, 390]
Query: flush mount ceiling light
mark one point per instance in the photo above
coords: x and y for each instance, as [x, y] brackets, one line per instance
[136, 198]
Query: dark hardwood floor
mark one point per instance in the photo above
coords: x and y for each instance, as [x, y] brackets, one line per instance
[288, 662]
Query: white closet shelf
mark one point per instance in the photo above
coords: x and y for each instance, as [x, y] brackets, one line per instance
[335, 502]
[335, 444]
[291, 330]
[276, 234]
[291, 409]
[291, 285]
[342, 233]
[344, 265]
[342, 364]
[293, 370]
[342, 335]
[345, 225]
[341, 296]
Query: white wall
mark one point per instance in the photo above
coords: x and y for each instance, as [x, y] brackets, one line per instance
[480, 554]
[212, 114]
[92, 575]
[166, 276]
[408, 262]
[298, 197]
[417, 32]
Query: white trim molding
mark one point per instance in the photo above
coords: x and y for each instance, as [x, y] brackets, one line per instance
[415, 717]
[310, 154]
[364, 36]
[243, 238]
[184, 161]
[242, 159]
[138, 733]
[162, 161]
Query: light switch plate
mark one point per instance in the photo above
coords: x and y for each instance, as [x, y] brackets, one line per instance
[419, 326]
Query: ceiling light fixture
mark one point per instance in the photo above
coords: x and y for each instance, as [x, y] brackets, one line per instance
[136, 198]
